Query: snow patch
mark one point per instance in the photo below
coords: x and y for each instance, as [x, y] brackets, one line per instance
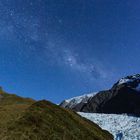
[79, 99]
[129, 79]
[138, 88]
[122, 81]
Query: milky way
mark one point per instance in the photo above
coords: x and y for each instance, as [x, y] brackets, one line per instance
[87, 45]
[28, 23]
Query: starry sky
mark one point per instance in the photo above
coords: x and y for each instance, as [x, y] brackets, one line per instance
[57, 49]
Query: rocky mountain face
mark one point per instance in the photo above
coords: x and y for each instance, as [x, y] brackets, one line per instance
[27, 119]
[79, 100]
[123, 97]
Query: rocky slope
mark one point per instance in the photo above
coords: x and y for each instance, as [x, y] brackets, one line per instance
[26, 119]
[79, 100]
[123, 97]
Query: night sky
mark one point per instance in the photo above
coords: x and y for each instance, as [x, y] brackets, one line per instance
[57, 49]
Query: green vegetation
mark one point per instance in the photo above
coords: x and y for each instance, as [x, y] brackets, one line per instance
[26, 119]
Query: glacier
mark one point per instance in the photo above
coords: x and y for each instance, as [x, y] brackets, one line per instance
[114, 123]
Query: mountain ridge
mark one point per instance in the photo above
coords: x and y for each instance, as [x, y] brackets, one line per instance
[72, 102]
[123, 97]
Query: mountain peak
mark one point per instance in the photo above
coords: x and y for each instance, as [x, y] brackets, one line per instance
[123, 97]
[72, 102]
[129, 79]
[132, 81]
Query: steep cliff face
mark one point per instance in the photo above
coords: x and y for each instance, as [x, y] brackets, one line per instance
[121, 100]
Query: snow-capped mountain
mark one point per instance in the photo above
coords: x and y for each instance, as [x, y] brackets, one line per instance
[129, 126]
[132, 81]
[73, 102]
[123, 97]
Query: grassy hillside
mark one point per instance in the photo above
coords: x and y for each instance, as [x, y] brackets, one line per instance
[25, 119]
[11, 107]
